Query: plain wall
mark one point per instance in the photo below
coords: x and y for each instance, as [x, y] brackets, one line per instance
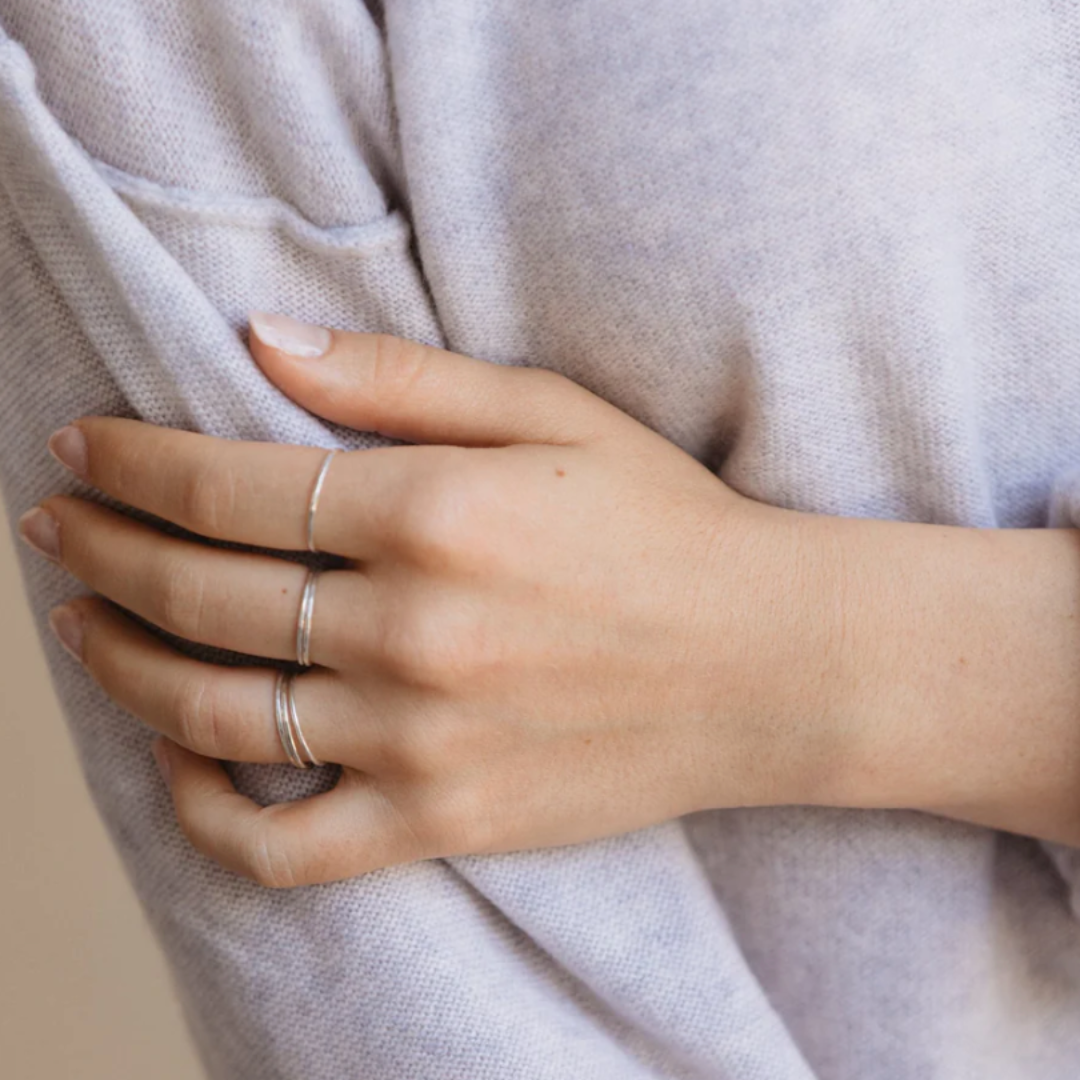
[84, 993]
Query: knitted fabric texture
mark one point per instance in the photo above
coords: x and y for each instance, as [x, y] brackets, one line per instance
[831, 249]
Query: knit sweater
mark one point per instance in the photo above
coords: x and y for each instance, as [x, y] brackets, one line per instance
[830, 248]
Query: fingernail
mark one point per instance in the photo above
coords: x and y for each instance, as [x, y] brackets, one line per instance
[68, 446]
[41, 531]
[161, 757]
[289, 336]
[67, 625]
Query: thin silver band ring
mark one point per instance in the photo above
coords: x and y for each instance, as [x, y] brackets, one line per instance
[303, 622]
[282, 718]
[294, 716]
[288, 723]
[316, 491]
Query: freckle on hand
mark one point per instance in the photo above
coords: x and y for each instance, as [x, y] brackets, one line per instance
[559, 472]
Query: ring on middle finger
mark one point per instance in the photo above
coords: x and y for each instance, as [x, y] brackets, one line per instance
[303, 623]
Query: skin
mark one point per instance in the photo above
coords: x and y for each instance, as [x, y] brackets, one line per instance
[551, 625]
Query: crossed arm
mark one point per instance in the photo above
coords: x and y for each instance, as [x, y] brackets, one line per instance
[550, 624]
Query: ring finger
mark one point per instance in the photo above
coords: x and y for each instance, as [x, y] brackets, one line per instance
[244, 601]
[218, 711]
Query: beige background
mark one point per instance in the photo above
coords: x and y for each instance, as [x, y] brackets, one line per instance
[84, 993]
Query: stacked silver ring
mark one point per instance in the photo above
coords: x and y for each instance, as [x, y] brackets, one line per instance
[303, 623]
[285, 715]
[316, 491]
[288, 723]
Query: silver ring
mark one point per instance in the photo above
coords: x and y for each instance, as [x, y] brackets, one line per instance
[282, 719]
[294, 716]
[316, 491]
[303, 622]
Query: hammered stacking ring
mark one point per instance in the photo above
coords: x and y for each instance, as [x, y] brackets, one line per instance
[316, 491]
[303, 622]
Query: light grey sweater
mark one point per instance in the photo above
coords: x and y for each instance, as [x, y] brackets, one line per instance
[829, 247]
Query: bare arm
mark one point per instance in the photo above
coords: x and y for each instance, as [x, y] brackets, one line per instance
[959, 673]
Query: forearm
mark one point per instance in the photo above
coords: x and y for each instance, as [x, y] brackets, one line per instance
[958, 673]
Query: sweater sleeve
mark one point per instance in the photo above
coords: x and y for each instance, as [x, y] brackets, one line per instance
[1064, 512]
[125, 273]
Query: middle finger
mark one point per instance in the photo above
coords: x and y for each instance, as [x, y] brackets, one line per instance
[244, 601]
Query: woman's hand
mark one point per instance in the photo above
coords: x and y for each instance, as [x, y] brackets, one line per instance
[552, 625]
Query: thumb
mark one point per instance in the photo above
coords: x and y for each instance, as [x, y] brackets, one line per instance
[420, 393]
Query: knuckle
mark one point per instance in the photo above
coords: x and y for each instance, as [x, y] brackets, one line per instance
[126, 460]
[424, 648]
[180, 602]
[396, 366]
[199, 718]
[266, 861]
[207, 499]
[438, 525]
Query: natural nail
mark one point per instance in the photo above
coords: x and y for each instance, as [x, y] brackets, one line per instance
[288, 335]
[41, 531]
[67, 625]
[68, 446]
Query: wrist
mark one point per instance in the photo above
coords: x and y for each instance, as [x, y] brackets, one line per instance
[781, 671]
[959, 687]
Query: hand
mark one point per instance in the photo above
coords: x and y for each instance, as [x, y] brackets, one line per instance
[552, 624]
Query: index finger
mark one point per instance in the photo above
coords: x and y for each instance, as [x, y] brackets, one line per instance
[230, 489]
